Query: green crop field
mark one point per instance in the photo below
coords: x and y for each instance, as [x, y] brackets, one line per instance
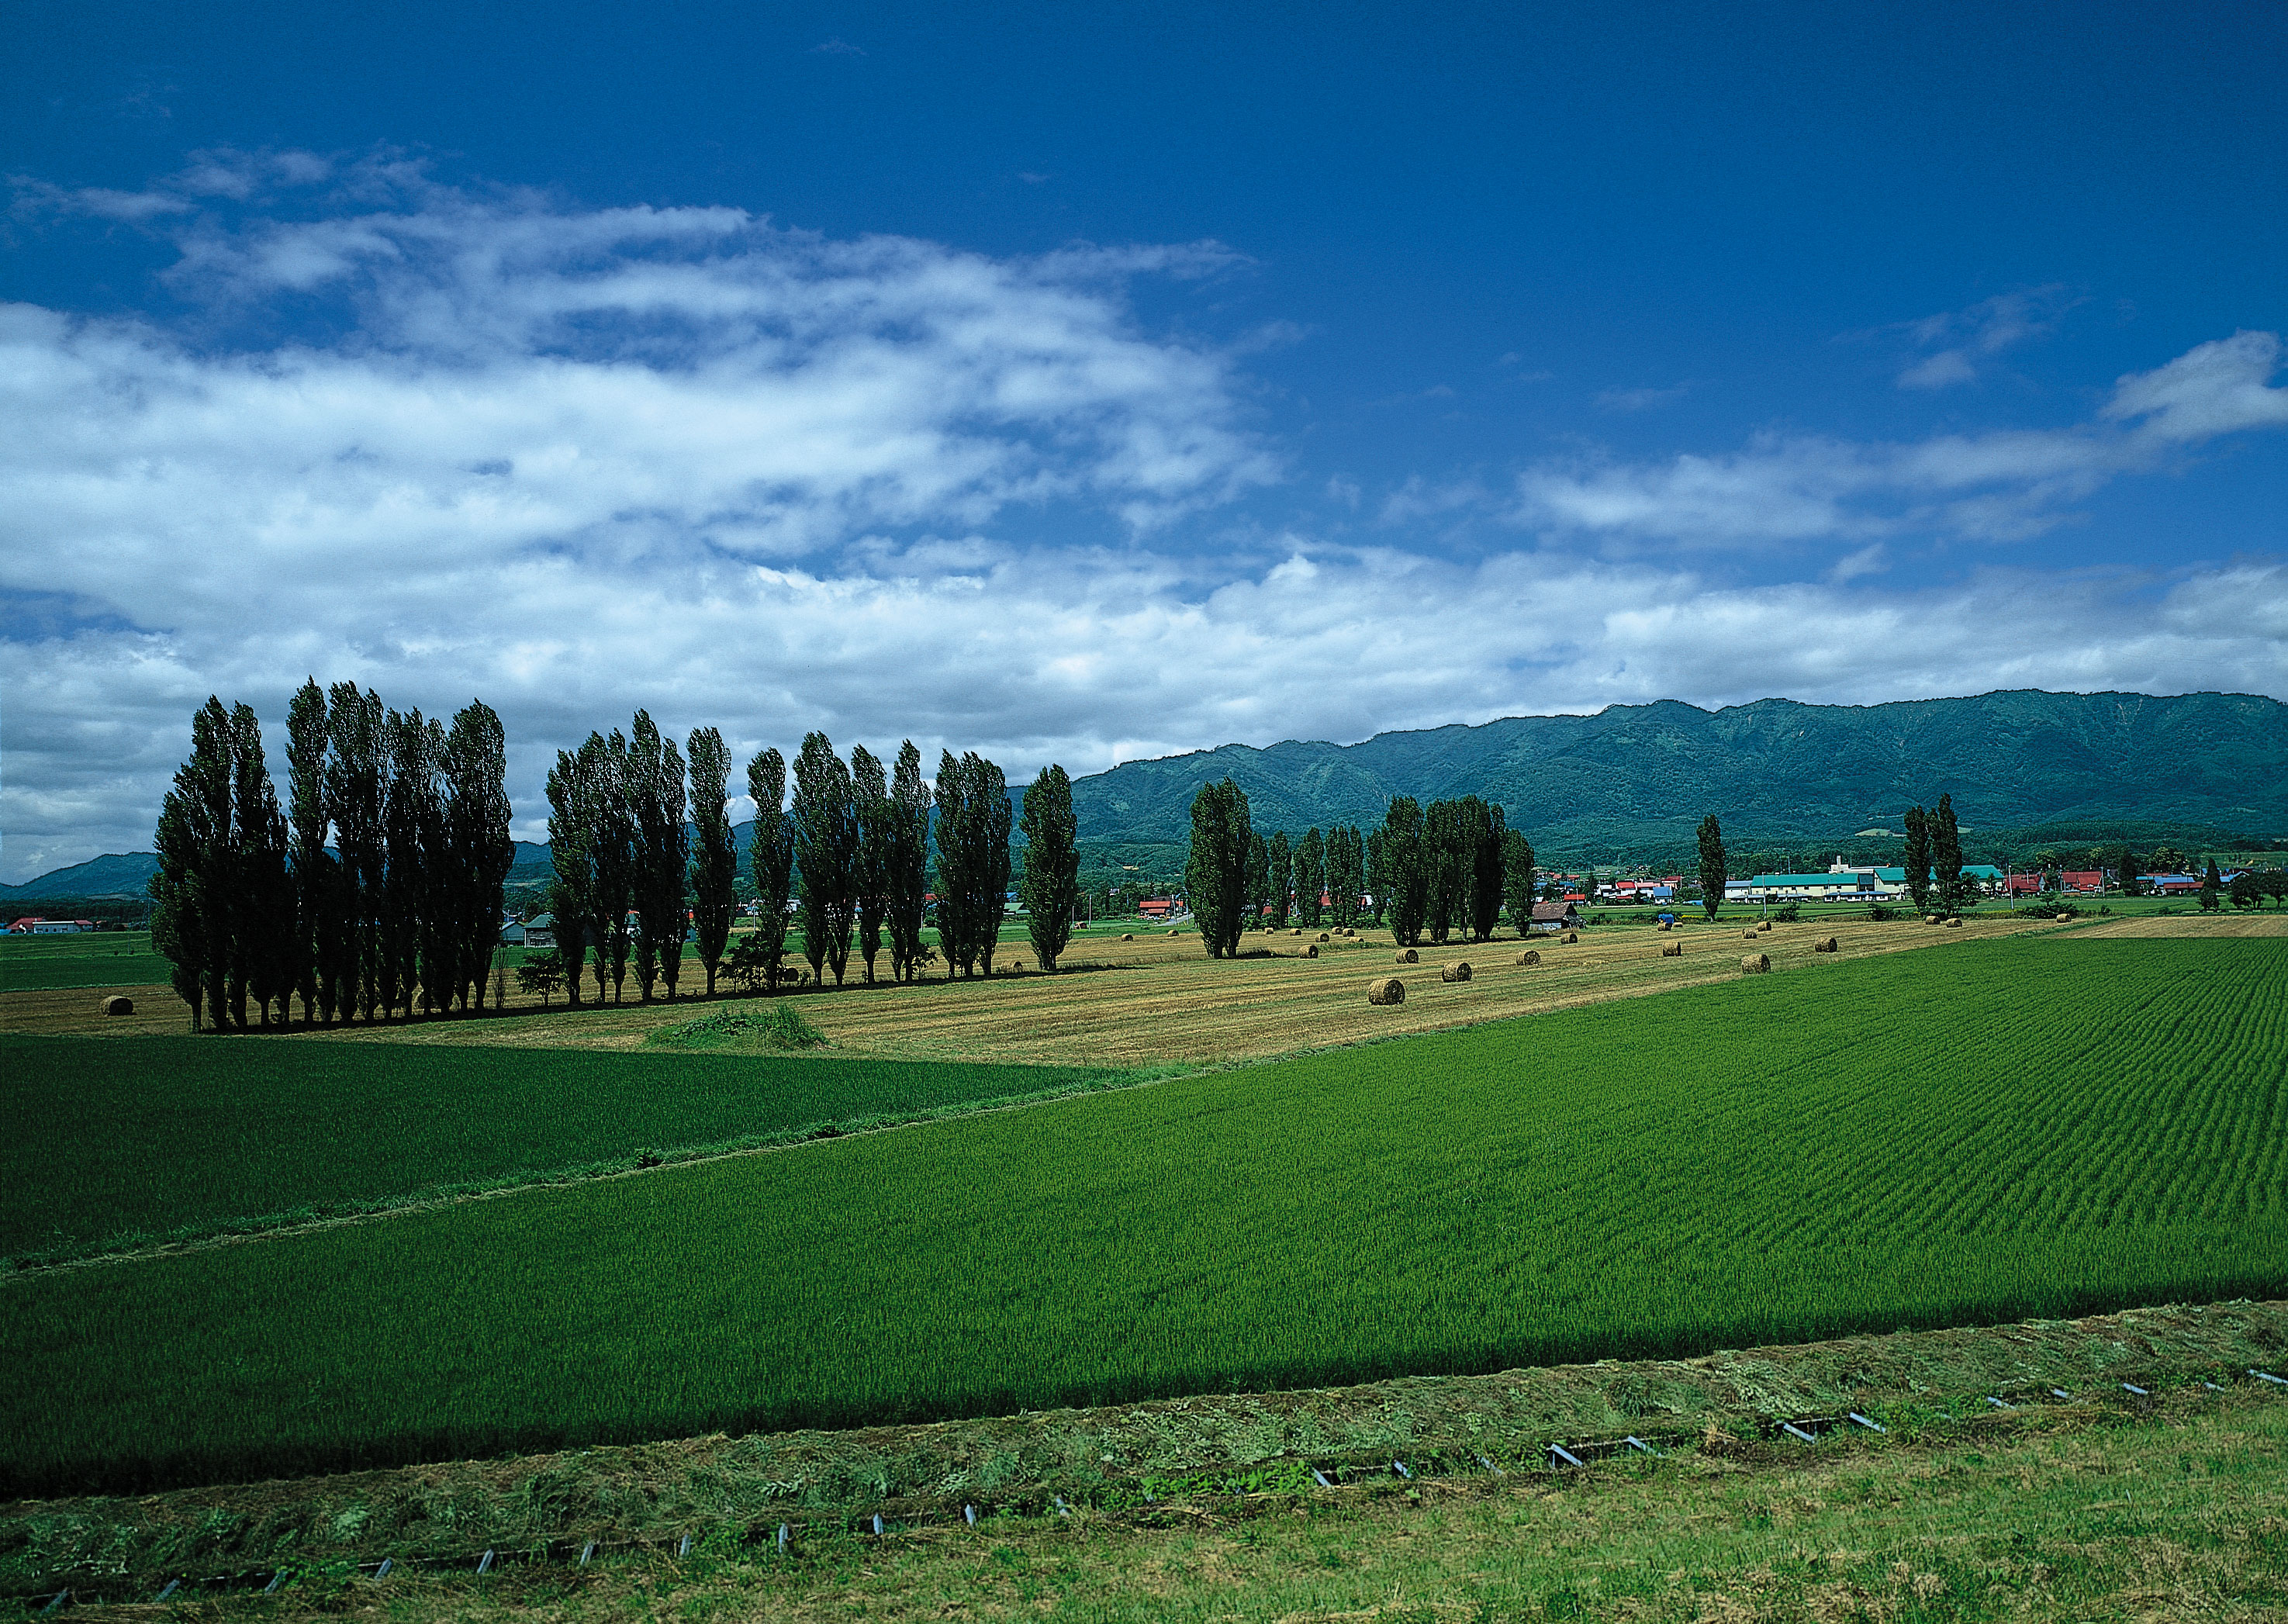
[117, 1140]
[102, 958]
[2005, 1129]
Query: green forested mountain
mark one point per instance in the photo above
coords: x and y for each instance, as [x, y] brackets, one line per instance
[1633, 777]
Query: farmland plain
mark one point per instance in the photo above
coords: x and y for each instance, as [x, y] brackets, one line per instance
[2014, 1128]
[118, 1143]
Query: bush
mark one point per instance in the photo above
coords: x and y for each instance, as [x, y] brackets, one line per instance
[777, 1026]
[1787, 915]
[1877, 912]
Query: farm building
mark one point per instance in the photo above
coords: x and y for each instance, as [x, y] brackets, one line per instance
[537, 932]
[1555, 916]
[51, 927]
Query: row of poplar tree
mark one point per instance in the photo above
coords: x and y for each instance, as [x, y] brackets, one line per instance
[1438, 873]
[640, 865]
[375, 888]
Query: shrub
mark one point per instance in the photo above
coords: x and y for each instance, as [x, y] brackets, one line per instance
[778, 1025]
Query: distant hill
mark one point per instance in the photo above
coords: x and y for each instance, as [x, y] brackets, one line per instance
[1644, 775]
[1640, 777]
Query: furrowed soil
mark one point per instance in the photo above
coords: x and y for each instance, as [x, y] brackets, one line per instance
[1157, 999]
[2084, 1500]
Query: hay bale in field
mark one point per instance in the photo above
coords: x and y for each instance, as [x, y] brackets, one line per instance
[1747, 936]
[1528, 957]
[1296, 930]
[2065, 918]
[1128, 935]
[1766, 925]
[1954, 924]
[1460, 972]
[118, 1005]
[1755, 963]
[1571, 936]
[1406, 956]
[1674, 950]
[1385, 990]
[1824, 945]
[1324, 937]
[1310, 951]
[1175, 932]
[1665, 925]
[1015, 965]
[1934, 919]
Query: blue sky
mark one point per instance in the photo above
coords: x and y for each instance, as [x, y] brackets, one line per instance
[1085, 383]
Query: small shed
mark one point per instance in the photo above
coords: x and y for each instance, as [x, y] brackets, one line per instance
[537, 932]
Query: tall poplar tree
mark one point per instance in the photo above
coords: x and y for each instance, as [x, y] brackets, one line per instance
[615, 849]
[771, 860]
[972, 843]
[1445, 855]
[1712, 868]
[906, 861]
[1215, 870]
[1345, 873]
[715, 857]
[357, 775]
[262, 964]
[194, 888]
[1485, 825]
[312, 865]
[1259, 879]
[826, 854]
[572, 812]
[1310, 876]
[1050, 888]
[870, 864]
[1517, 878]
[663, 853]
[1279, 878]
[1917, 857]
[1377, 874]
[1946, 856]
[1405, 870]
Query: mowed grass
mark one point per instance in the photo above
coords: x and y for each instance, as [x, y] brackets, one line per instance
[2010, 1130]
[113, 1143]
[100, 958]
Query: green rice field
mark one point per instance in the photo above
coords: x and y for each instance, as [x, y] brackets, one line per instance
[2008, 1130]
[116, 1141]
[101, 958]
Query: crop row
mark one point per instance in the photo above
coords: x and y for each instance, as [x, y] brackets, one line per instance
[2005, 1129]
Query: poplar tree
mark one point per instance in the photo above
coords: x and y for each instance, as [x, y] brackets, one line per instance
[715, 856]
[1517, 878]
[477, 813]
[1258, 877]
[906, 861]
[1917, 857]
[1215, 870]
[771, 860]
[262, 915]
[1050, 888]
[192, 891]
[1946, 855]
[1345, 873]
[356, 776]
[615, 849]
[870, 867]
[1713, 874]
[1279, 878]
[1377, 874]
[312, 865]
[973, 841]
[571, 848]
[1310, 876]
[413, 827]
[826, 854]
[2210, 881]
[1486, 826]
[663, 853]
[1444, 856]
[1405, 870]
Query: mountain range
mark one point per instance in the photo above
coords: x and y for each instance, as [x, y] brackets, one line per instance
[1639, 778]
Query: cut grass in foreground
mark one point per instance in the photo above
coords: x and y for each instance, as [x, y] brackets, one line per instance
[117, 1141]
[2065, 1126]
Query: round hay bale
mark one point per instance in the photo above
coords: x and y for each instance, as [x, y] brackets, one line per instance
[1324, 937]
[2065, 919]
[1528, 957]
[1454, 972]
[1674, 950]
[1755, 963]
[118, 1005]
[1406, 956]
[1747, 936]
[1385, 990]
[1934, 919]
[1297, 930]
[1571, 936]
[1173, 932]
[1128, 935]
[1766, 925]
[1824, 945]
[1954, 924]
[1665, 924]
[1015, 965]
[1310, 951]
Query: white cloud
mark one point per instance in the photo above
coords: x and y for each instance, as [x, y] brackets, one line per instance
[1963, 341]
[2000, 485]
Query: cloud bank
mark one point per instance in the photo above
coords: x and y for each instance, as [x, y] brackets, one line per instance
[451, 443]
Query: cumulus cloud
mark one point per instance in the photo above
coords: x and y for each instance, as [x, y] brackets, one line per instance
[2000, 485]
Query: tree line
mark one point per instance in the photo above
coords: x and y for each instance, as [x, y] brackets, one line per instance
[841, 849]
[1442, 872]
[376, 890]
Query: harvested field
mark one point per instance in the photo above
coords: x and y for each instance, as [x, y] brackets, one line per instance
[1155, 1001]
[2189, 926]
